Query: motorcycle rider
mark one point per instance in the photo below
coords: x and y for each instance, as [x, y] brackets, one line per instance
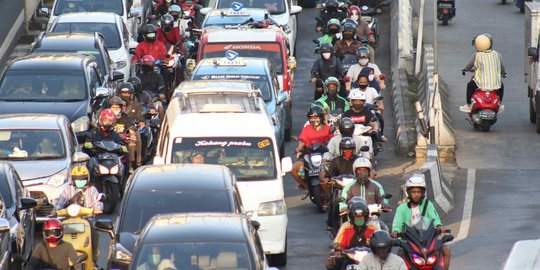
[363, 55]
[316, 132]
[418, 206]
[163, 8]
[488, 70]
[125, 127]
[150, 45]
[380, 257]
[371, 95]
[360, 114]
[52, 252]
[371, 190]
[346, 129]
[331, 100]
[347, 44]
[353, 233]
[326, 66]
[150, 79]
[131, 107]
[168, 34]
[80, 191]
[330, 12]
[362, 29]
[175, 11]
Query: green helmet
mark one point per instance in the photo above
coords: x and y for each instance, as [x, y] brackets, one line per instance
[334, 21]
[330, 80]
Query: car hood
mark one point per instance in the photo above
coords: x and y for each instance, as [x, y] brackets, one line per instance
[253, 193]
[72, 110]
[37, 169]
[118, 55]
[281, 19]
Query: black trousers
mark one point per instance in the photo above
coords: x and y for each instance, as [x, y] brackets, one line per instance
[471, 87]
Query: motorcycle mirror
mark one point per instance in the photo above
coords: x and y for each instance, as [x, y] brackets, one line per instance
[256, 224]
[364, 148]
[387, 196]
[316, 41]
[447, 238]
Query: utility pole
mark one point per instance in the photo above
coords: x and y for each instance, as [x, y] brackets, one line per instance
[420, 37]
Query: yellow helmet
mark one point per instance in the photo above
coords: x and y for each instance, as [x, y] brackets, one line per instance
[80, 173]
[482, 43]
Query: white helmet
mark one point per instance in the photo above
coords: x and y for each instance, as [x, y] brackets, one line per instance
[417, 180]
[361, 162]
[358, 95]
[483, 42]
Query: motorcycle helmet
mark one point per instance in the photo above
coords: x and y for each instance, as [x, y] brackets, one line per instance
[331, 80]
[175, 11]
[53, 231]
[332, 5]
[80, 176]
[315, 110]
[417, 181]
[483, 42]
[363, 52]
[137, 84]
[358, 95]
[126, 91]
[348, 27]
[381, 243]
[116, 101]
[167, 23]
[149, 32]
[347, 143]
[326, 47]
[354, 10]
[346, 127]
[333, 25]
[361, 162]
[106, 119]
[357, 206]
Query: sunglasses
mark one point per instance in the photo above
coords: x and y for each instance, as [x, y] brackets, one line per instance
[52, 233]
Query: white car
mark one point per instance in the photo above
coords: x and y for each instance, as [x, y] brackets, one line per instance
[117, 38]
[282, 11]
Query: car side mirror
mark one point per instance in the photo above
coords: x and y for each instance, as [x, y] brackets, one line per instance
[105, 225]
[447, 238]
[190, 64]
[282, 97]
[286, 165]
[44, 12]
[117, 75]
[134, 12]
[295, 10]
[256, 224]
[291, 63]
[80, 157]
[532, 52]
[4, 225]
[205, 10]
[387, 196]
[158, 160]
[102, 92]
[27, 203]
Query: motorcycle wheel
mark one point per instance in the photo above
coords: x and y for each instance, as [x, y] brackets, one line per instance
[485, 127]
[445, 20]
[503, 2]
[318, 197]
[111, 197]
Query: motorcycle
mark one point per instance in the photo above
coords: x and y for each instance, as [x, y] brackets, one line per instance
[148, 129]
[312, 169]
[173, 65]
[446, 10]
[108, 172]
[348, 60]
[337, 184]
[373, 9]
[353, 257]
[422, 248]
[485, 109]
[364, 133]
[334, 116]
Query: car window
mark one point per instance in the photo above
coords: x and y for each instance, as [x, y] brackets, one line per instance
[31, 144]
[19, 189]
[125, 33]
[273, 6]
[94, 79]
[163, 142]
[6, 196]
[71, 6]
[108, 30]
[72, 139]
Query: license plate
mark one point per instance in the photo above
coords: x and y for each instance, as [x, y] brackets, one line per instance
[315, 171]
[486, 114]
[446, 5]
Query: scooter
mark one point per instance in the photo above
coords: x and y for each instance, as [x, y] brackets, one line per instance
[313, 166]
[485, 109]
[422, 248]
[337, 183]
[149, 132]
[446, 10]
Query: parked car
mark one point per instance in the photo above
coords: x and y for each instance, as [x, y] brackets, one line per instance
[199, 241]
[56, 83]
[160, 189]
[118, 40]
[43, 149]
[17, 219]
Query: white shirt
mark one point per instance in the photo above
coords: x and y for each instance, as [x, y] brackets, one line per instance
[415, 215]
[372, 262]
[371, 94]
[355, 69]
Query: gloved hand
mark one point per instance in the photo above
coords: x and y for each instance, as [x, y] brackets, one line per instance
[504, 75]
[124, 149]
[88, 145]
[463, 72]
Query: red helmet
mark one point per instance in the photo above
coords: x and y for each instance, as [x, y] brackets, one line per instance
[354, 8]
[148, 60]
[53, 231]
[106, 119]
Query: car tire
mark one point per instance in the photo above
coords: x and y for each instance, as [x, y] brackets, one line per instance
[281, 258]
[308, 3]
[112, 193]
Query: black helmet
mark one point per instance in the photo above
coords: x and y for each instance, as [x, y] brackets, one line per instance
[116, 100]
[347, 143]
[346, 127]
[149, 32]
[347, 26]
[315, 110]
[332, 5]
[126, 87]
[167, 22]
[380, 241]
[137, 84]
[362, 51]
[326, 47]
[358, 206]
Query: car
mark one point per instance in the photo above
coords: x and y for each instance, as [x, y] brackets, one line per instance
[258, 71]
[233, 130]
[118, 40]
[199, 241]
[56, 83]
[81, 43]
[231, 19]
[283, 12]
[17, 219]
[43, 149]
[174, 188]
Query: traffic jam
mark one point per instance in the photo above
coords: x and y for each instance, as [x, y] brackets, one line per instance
[165, 125]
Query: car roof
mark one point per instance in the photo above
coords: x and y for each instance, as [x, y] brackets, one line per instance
[31, 121]
[253, 66]
[56, 61]
[197, 227]
[66, 41]
[243, 35]
[245, 12]
[216, 86]
[182, 176]
[89, 17]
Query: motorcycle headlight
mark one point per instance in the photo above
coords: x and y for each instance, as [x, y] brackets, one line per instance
[120, 64]
[122, 254]
[431, 259]
[81, 124]
[103, 170]
[273, 208]
[58, 179]
[114, 169]
[316, 160]
[417, 259]
[73, 210]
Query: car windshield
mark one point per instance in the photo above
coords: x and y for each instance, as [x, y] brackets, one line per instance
[273, 6]
[270, 51]
[70, 6]
[248, 158]
[260, 80]
[43, 86]
[142, 205]
[108, 30]
[97, 54]
[195, 255]
[31, 144]
[227, 21]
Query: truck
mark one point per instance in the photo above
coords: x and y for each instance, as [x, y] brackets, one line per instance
[532, 68]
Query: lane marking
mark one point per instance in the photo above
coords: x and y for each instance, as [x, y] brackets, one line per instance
[11, 35]
[467, 207]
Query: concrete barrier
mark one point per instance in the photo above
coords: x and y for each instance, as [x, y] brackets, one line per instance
[439, 190]
[525, 255]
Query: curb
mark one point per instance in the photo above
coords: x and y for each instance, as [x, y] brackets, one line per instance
[404, 122]
[439, 190]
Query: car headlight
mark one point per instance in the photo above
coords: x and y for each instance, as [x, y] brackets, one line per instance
[103, 169]
[273, 208]
[73, 210]
[114, 169]
[58, 179]
[81, 124]
[120, 64]
[122, 254]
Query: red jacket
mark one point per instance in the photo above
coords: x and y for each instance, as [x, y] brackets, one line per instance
[155, 49]
[346, 234]
[169, 38]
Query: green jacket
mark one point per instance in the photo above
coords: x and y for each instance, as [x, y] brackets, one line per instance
[340, 103]
[343, 205]
[404, 212]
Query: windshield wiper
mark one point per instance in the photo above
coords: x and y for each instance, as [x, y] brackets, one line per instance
[32, 100]
[71, 100]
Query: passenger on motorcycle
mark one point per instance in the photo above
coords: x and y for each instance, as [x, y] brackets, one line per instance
[331, 100]
[360, 114]
[353, 233]
[150, 45]
[362, 29]
[163, 8]
[326, 66]
[331, 11]
[125, 127]
[175, 11]
[316, 132]
[131, 107]
[194, 11]
[169, 35]
[80, 192]
[488, 69]
[371, 95]
[418, 206]
[381, 257]
[348, 44]
[150, 79]
[373, 81]
[53, 252]
[346, 129]
[370, 190]
[363, 55]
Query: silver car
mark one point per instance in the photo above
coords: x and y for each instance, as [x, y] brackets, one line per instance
[42, 148]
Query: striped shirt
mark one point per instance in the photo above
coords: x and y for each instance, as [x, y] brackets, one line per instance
[90, 196]
[488, 69]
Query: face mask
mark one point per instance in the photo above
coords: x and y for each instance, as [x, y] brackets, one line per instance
[359, 222]
[371, 77]
[314, 123]
[333, 31]
[362, 177]
[147, 68]
[154, 259]
[347, 155]
[347, 36]
[332, 92]
[354, 17]
[168, 1]
[326, 55]
[363, 86]
[117, 112]
[80, 183]
[363, 62]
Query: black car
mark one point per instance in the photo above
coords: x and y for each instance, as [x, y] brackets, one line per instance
[17, 219]
[199, 241]
[56, 83]
[175, 188]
